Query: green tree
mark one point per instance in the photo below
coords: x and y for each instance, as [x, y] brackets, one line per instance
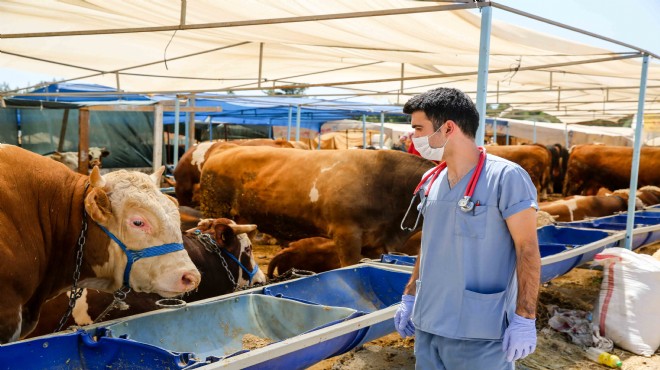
[287, 91]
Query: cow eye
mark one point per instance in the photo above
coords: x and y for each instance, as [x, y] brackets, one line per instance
[138, 223]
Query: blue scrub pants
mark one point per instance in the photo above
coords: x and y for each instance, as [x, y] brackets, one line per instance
[436, 352]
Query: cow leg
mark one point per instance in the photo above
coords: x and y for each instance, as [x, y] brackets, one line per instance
[349, 245]
[10, 325]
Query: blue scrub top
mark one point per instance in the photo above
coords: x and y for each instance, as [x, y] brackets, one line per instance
[467, 284]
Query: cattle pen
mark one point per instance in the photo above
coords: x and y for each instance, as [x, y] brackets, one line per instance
[154, 82]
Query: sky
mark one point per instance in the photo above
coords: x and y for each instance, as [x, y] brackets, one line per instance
[635, 22]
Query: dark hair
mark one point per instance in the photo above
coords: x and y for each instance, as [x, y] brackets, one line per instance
[444, 104]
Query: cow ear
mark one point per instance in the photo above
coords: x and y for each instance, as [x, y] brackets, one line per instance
[95, 178]
[173, 199]
[155, 177]
[224, 234]
[104, 152]
[97, 205]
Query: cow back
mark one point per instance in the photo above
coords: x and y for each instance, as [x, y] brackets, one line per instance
[295, 194]
[591, 167]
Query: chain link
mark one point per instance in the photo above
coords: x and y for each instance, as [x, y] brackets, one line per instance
[118, 302]
[76, 292]
[211, 246]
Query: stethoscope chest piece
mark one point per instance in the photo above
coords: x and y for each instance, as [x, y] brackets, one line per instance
[466, 204]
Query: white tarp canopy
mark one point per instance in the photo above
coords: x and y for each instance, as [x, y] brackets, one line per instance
[362, 47]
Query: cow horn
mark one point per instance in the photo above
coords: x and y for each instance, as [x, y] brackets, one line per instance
[155, 177]
[95, 178]
[240, 229]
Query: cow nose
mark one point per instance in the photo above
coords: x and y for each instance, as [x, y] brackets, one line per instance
[190, 280]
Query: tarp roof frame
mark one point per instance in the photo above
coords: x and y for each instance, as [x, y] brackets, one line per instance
[362, 47]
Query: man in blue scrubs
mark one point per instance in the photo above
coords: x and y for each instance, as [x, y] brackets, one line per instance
[471, 300]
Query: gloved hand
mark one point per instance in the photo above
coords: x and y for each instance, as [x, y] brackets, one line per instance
[402, 321]
[519, 338]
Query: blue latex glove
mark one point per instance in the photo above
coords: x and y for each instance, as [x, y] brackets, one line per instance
[402, 321]
[519, 338]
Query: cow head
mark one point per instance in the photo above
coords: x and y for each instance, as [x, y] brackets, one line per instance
[95, 154]
[130, 206]
[236, 240]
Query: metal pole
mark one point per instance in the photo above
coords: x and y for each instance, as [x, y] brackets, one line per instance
[187, 127]
[157, 159]
[534, 136]
[288, 127]
[176, 131]
[191, 127]
[507, 133]
[364, 131]
[482, 76]
[636, 152]
[382, 129]
[495, 131]
[566, 134]
[298, 123]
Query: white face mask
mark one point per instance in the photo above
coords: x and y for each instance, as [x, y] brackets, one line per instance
[424, 148]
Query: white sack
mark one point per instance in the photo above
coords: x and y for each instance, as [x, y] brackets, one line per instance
[629, 300]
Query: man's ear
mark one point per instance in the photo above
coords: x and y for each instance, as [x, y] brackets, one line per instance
[97, 205]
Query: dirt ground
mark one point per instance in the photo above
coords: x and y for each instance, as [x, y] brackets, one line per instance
[575, 290]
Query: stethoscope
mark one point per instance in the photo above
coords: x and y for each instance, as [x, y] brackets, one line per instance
[465, 204]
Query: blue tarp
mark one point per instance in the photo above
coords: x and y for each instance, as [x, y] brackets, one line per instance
[266, 110]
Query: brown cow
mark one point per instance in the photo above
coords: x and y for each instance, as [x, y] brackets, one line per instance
[355, 197]
[315, 254]
[535, 159]
[189, 168]
[579, 207]
[591, 167]
[218, 279]
[319, 254]
[41, 217]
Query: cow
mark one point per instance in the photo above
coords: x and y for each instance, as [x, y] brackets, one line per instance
[229, 237]
[319, 254]
[55, 222]
[315, 254]
[645, 196]
[580, 207]
[559, 156]
[190, 217]
[189, 168]
[591, 167]
[70, 159]
[355, 197]
[535, 159]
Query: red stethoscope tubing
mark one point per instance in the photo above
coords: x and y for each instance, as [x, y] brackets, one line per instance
[465, 204]
[469, 190]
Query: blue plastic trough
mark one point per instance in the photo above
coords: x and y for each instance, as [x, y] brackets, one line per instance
[363, 288]
[79, 351]
[216, 330]
[643, 219]
[562, 249]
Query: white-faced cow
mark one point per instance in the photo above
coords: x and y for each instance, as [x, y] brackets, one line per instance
[189, 168]
[355, 197]
[229, 242]
[50, 215]
[70, 159]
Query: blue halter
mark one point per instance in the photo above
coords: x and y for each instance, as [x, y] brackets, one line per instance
[250, 273]
[133, 256]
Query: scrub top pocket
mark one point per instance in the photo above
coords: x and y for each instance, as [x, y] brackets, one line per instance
[472, 224]
[482, 315]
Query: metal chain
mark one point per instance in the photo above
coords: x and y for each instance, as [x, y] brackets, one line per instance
[211, 246]
[118, 302]
[76, 292]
